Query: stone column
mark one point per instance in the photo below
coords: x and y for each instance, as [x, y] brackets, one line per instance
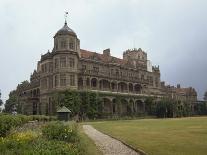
[97, 85]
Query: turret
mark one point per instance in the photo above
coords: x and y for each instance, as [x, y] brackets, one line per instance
[66, 40]
[137, 58]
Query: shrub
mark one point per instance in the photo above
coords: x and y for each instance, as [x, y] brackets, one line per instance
[60, 131]
[9, 121]
[28, 144]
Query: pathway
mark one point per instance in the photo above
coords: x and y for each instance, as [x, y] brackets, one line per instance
[108, 145]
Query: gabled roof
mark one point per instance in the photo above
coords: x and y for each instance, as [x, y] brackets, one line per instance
[64, 109]
[101, 57]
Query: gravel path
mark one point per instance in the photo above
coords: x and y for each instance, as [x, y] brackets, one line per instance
[108, 145]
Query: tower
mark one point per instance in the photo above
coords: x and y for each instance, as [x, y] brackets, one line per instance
[66, 40]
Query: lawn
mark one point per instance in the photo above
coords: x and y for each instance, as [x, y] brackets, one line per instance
[179, 136]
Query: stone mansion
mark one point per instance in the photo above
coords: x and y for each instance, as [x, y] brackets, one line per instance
[68, 66]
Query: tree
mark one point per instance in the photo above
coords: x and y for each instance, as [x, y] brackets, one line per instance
[205, 96]
[165, 108]
[1, 102]
[11, 102]
[150, 106]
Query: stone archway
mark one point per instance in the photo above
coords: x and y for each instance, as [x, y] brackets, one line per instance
[140, 106]
[80, 83]
[104, 84]
[114, 86]
[107, 106]
[137, 88]
[124, 106]
[94, 83]
[122, 87]
[34, 108]
[132, 106]
[88, 82]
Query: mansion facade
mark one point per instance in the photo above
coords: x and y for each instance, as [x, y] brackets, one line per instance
[68, 66]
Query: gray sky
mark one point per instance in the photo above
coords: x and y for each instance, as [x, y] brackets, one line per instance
[172, 32]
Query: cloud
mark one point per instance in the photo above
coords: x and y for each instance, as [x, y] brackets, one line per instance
[173, 32]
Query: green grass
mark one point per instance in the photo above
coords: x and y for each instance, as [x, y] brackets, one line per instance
[179, 136]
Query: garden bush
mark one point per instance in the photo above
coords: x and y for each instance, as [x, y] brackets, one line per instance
[29, 144]
[43, 118]
[60, 131]
[11, 121]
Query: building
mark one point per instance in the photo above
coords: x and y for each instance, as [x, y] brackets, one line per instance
[69, 67]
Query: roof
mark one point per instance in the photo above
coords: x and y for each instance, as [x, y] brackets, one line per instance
[101, 57]
[64, 109]
[65, 30]
[186, 91]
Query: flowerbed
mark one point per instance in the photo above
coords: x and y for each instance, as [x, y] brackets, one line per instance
[53, 138]
[11, 121]
[60, 131]
[30, 143]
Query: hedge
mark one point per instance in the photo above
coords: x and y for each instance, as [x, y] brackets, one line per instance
[11, 121]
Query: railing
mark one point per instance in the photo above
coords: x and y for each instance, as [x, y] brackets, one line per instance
[104, 74]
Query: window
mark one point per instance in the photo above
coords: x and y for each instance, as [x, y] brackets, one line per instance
[84, 67]
[112, 71]
[62, 79]
[44, 83]
[156, 82]
[51, 82]
[150, 80]
[71, 45]
[56, 63]
[72, 80]
[44, 68]
[142, 77]
[63, 62]
[72, 62]
[117, 72]
[50, 67]
[63, 44]
[56, 80]
[96, 69]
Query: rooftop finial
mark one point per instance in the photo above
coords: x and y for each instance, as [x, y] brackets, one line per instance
[66, 15]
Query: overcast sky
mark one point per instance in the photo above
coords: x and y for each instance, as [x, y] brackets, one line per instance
[172, 32]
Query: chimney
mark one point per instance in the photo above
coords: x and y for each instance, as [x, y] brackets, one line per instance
[107, 52]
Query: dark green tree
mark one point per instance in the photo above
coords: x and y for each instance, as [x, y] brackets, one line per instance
[150, 106]
[205, 96]
[165, 108]
[71, 100]
[1, 102]
[11, 102]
